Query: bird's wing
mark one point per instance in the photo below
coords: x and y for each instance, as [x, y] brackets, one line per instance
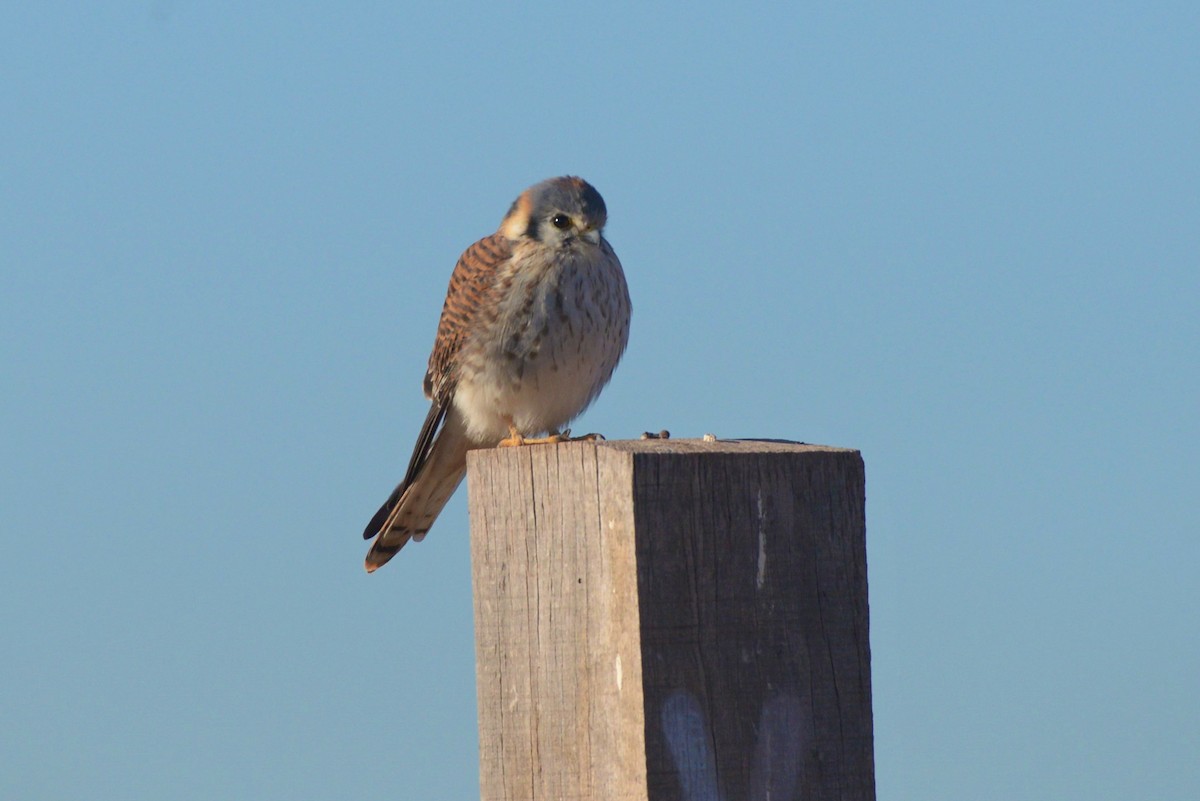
[466, 300]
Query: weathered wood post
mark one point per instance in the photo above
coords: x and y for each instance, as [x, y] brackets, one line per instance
[671, 619]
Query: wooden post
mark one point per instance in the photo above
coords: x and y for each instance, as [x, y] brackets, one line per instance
[671, 619]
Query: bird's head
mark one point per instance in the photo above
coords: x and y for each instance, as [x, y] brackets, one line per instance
[557, 212]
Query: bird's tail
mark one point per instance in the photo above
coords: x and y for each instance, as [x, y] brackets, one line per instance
[416, 503]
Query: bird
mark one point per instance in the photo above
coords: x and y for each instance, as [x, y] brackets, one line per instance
[535, 320]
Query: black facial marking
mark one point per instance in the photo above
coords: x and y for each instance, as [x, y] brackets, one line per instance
[531, 230]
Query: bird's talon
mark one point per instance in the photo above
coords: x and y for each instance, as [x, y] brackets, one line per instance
[514, 438]
[549, 439]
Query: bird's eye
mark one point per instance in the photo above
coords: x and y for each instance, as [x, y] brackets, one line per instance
[560, 221]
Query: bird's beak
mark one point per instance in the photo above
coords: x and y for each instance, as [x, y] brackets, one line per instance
[591, 234]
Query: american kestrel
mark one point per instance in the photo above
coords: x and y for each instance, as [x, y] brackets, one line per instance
[535, 319]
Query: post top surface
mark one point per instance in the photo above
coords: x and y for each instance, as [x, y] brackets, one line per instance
[694, 446]
[719, 446]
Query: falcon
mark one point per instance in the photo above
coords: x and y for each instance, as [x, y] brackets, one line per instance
[535, 320]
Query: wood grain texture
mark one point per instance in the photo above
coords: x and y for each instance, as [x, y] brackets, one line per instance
[671, 620]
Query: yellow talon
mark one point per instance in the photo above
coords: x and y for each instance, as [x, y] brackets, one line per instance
[515, 439]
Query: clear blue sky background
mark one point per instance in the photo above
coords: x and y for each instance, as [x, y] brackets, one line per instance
[964, 238]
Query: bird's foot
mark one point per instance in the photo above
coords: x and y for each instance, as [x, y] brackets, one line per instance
[513, 440]
[516, 440]
[553, 438]
[566, 437]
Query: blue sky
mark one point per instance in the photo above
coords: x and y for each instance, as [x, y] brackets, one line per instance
[964, 239]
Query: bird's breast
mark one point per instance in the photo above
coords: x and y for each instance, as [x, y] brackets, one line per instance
[557, 326]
